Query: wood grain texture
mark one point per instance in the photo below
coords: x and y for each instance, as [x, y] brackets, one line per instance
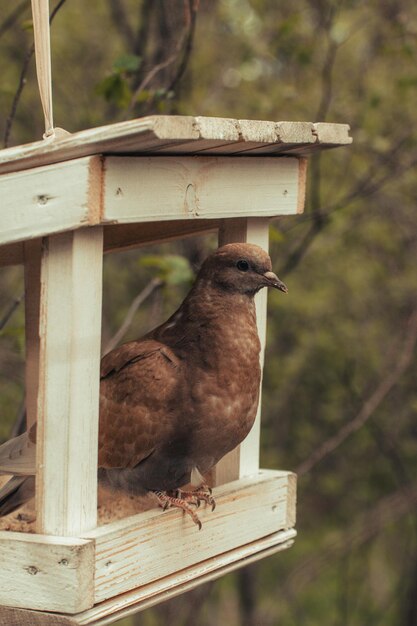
[147, 547]
[122, 190]
[178, 134]
[244, 460]
[124, 236]
[160, 188]
[69, 365]
[113, 609]
[32, 259]
[47, 200]
[49, 573]
[302, 184]
[147, 596]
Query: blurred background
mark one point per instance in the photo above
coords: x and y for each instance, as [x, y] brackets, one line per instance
[340, 399]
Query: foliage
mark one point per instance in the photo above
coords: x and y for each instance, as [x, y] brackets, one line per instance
[349, 262]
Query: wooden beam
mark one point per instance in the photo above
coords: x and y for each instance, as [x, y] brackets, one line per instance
[142, 598]
[123, 236]
[68, 400]
[77, 194]
[176, 134]
[139, 189]
[49, 573]
[244, 460]
[50, 199]
[32, 259]
[148, 557]
[146, 548]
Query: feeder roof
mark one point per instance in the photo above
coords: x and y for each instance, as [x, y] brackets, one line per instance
[185, 135]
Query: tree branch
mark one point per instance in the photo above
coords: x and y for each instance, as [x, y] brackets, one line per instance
[371, 404]
[118, 13]
[22, 82]
[153, 284]
[14, 15]
[12, 308]
[387, 510]
[182, 51]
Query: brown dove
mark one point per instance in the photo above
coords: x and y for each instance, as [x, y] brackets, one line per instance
[173, 403]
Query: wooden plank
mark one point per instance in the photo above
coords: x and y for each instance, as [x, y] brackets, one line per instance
[70, 331]
[215, 135]
[135, 136]
[302, 184]
[155, 544]
[145, 597]
[126, 604]
[49, 199]
[167, 134]
[244, 460]
[32, 259]
[123, 236]
[293, 133]
[161, 188]
[330, 134]
[49, 573]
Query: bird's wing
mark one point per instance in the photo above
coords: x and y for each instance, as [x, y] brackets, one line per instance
[18, 456]
[138, 398]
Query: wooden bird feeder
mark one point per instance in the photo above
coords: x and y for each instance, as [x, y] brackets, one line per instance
[64, 203]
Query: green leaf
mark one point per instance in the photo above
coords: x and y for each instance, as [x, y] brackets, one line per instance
[127, 63]
[172, 269]
[115, 89]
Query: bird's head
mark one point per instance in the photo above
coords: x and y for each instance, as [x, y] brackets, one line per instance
[240, 268]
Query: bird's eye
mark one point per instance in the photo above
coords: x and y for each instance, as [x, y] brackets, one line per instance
[242, 265]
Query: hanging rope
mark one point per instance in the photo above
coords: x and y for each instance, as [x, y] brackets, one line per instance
[41, 32]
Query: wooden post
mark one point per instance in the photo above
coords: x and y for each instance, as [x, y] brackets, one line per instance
[68, 395]
[244, 460]
[32, 258]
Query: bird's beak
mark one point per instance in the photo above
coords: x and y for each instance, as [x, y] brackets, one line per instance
[274, 281]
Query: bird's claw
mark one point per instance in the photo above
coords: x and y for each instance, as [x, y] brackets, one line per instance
[186, 499]
[199, 495]
[166, 500]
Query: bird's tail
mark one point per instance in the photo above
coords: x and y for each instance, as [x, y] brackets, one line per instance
[16, 492]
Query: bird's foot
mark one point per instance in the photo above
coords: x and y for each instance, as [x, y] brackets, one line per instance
[166, 500]
[202, 494]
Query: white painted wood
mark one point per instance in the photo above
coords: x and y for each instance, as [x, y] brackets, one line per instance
[331, 134]
[296, 132]
[160, 188]
[142, 598]
[302, 183]
[70, 195]
[173, 135]
[32, 258]
[136, 562]
[122, 236]
[70, 331]
[49, 199]
[244, 460]
[126, 604]
[155, 544]
[49, 573]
